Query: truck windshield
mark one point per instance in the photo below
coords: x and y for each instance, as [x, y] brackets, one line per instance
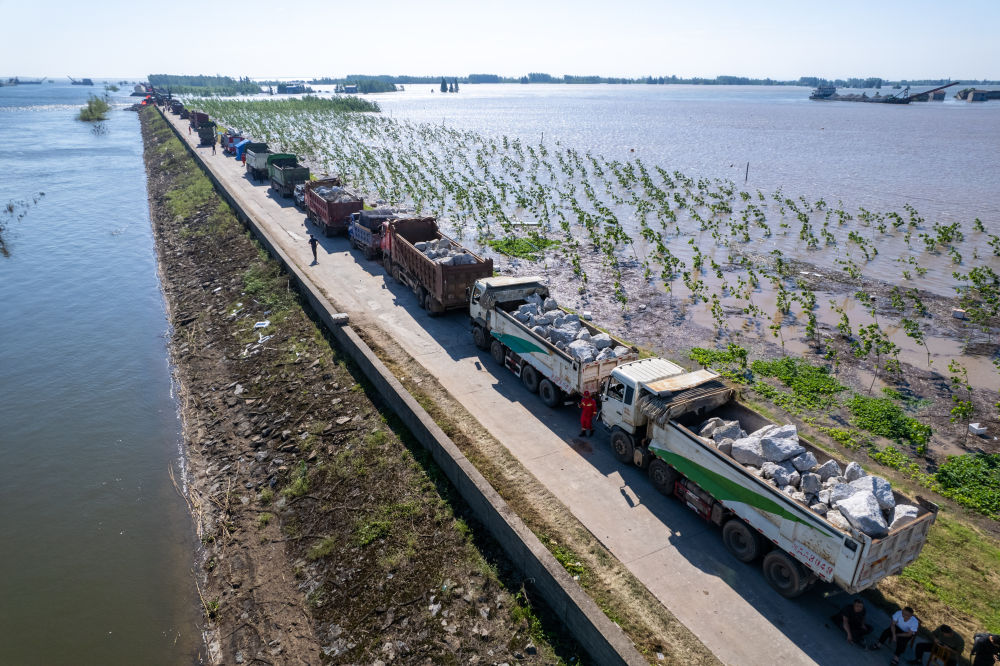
[476, 293]
[616, 390]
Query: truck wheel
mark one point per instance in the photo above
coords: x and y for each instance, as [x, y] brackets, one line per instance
[479, 337]
[741, 540]
[327, 231]
[429, 304]
[663, 476]
[529, 377]
[421, 301]
[549, 393]
[497, 350]
[784, 574]
[621, 444]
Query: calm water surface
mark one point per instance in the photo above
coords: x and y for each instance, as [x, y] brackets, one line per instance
[96, 545]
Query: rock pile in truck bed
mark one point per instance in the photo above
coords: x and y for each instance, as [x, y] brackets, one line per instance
[335, 194]
[566, 331]
[847, 497]
[444, 252]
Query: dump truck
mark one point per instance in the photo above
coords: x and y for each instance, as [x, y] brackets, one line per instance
[655, 409]
[439, 284]
[206, 133]
[257, 155]
[196, 118]
[285, 173]
[365, 230]
[228, 141]
[546, 365]
[330, 205]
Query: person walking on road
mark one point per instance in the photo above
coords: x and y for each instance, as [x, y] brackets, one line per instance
[903, 627]
[587, 408]
[313, 243]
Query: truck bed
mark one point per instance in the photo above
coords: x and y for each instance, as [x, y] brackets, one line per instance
[879, 557]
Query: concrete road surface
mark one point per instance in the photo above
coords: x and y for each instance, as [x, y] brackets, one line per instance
[679, 557]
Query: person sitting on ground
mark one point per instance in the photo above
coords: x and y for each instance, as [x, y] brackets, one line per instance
[851, 618]
[985, 648]
[943, 635]
[903, 627]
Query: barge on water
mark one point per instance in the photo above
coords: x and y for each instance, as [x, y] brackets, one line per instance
[829, 93]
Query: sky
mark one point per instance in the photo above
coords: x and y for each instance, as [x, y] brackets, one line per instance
[780, 39]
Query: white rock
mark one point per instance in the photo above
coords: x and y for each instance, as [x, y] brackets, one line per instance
[799, 496]
[863, 512]
[837, 520]
[522, 317]
[726, 446]
[763, 431]
[730, 429]
[582, 351]
[780, 449]
[602, 340]
[805, 461]
[810, 483]
[824, 495]
[540, 330]
[854, 472]
[820, 508]
[787, 490]
[529, 308]
[782, 473]
[605, 354]
[543, 320]
[709, 426]
[583, 334]
[902, 514]
[570, 318]
[561, 335]
[550, 304]
[828, 469]
[621, 351]
[841, 491]
[746, 450]
[420, 245]
[536, 300]
[878, 487]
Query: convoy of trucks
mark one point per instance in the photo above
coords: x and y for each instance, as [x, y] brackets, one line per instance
[651, 407]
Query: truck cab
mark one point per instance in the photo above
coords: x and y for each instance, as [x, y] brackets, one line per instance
[653, 385]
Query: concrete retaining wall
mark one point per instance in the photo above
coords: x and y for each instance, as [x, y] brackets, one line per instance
[599, 636]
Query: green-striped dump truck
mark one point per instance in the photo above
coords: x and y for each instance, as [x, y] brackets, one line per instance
[657, 412]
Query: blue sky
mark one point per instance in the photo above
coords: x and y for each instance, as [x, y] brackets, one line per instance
[780, 39]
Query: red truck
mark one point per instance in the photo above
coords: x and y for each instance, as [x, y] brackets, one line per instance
[436, 268]
[229, 141]
[330, 205]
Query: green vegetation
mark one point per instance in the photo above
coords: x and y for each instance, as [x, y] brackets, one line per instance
[264, 519]
[306, 104]
[886, 418]
[973, 480]
[730, 362]
[96, 109]
[204, 85]
[299, 483]
[812, 386]
[524, 247]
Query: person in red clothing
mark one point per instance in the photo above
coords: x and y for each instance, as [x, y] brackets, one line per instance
[587, 408]
[243, 158]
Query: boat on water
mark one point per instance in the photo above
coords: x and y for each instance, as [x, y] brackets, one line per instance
[18, 81]
[81, 82]
[829, 93]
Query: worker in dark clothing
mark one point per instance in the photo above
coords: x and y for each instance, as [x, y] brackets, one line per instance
[943, 636]
[313, 243]
[985, 650]
[851, 618]
[213, 145]
[587, 408]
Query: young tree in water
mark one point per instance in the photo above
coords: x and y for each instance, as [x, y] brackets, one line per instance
[444, 85]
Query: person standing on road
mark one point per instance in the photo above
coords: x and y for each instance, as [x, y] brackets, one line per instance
[213, 145]
[313, 243]
[903, 627]
[243, 158]
[587, 408]
[851, 619]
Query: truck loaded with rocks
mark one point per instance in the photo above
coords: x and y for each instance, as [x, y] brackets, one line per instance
[774, 495]
[554, 352]
[436, 268]
[329, 204]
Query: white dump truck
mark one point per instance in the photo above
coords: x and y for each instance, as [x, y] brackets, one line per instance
[553, 351]
[656, 410]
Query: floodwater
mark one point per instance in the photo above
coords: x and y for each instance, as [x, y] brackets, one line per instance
[97, 546]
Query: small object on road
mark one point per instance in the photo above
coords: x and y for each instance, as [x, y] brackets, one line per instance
[958, 313]
[977, 429]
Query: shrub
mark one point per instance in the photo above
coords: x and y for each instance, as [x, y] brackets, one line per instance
[812, 386]
[97, 109]
[883, 417]
[972, 480]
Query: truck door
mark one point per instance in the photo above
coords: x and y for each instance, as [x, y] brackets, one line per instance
[613, 403]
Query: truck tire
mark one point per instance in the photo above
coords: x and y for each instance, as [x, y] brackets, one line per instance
[421, 301]
[529, 377]
[429, 305]
[498, 353]
[741, 540]
[328, 231]
[663, 476]
[622, 446]
[784, 574]
[549, 393]
[479, 337]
